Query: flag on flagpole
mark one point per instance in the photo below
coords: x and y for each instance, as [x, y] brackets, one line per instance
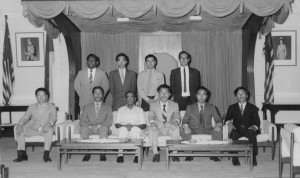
[269, 69]
[8, 78]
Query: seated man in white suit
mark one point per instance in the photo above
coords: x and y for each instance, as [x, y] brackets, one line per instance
[164, 119]
[130, 121]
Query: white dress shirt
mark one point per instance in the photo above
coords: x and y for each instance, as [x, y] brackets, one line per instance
[134, 116]
[187, 77]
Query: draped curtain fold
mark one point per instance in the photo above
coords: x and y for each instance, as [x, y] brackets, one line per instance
[84, 13]
[107, 46]
[218, 57]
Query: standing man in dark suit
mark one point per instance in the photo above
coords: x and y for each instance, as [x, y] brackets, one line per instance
[121, 81]
[242, 118]
[87, 79]
[184, 82]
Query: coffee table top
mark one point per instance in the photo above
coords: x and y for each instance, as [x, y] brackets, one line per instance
[78, 142]
[231, 145]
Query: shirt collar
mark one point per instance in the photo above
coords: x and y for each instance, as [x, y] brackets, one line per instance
[97, 103]
[244, 104]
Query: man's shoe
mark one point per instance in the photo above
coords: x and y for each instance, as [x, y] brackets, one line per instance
[136, 159]
[120, 159]
[189, 158]
[46, 156]
[156, 158]
[235, 161]
[22, 156]
[254, 162]
[86, 157]
[175, 159]
[215, 159]
[102, 157]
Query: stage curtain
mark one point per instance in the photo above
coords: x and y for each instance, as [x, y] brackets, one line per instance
[88, 9]
[218, 57]
[107, 46]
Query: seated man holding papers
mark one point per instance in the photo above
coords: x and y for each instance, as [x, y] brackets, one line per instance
[96, 118]
[198, 119]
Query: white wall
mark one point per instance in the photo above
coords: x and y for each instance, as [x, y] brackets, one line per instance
[286, 78]
[28, 79]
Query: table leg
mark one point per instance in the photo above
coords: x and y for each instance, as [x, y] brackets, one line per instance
[58, 158]
[67, 158]
[251, 158]
[139, 158]
[168, 160]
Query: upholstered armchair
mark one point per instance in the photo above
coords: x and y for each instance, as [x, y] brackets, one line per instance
[289, 149]
[267, 138]
[57, 135]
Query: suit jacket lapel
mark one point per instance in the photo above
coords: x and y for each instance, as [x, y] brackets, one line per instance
[126, 77]
[191, 78]
[179, 77]
[195, 110]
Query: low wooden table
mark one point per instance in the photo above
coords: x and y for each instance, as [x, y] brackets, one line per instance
[74, 147]
[243, 149]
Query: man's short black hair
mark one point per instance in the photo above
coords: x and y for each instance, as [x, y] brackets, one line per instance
[164, 86]
[44, 90]
[184, 52]
[124, 55]
[151, 55]
[98, 87]
[241, 88]
[94, 56]
[130, 92]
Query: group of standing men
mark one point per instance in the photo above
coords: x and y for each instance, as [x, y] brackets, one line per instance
[154, 96]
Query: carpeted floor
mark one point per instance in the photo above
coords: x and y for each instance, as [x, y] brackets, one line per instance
[199, 167]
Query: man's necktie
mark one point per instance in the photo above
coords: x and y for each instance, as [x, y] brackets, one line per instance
[149, 83]
[164, 112]
[201, 116]
[91, 76]
[122, 76]
[184, 80]
[242, 109]
[97, 109]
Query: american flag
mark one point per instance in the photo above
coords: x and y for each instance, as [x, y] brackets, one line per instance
[8, 78]
[269, 69]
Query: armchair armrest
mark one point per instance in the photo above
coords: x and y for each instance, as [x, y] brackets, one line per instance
[267, 127]
[15, 132]
[70, 128]
[225, 132]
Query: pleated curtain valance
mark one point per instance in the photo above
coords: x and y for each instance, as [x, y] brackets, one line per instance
[161, 11]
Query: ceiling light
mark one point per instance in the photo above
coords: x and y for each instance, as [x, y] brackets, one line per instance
[123, 19]
[195, 17]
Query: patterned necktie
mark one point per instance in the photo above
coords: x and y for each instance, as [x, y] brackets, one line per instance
[184, 80]
[201, 116]
[164, 112]
[91, 76]
[242, 109]
[122, 76]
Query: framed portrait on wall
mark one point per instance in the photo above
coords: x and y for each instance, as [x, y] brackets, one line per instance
[30, 49]
[285, 47]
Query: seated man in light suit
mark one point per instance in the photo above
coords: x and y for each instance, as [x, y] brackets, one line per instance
[164, 119]
[96, 118]
[198, 117]
[39, 119]
[130, 121]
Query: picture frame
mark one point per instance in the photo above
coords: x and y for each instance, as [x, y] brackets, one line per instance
[30, 49]
[284, 47]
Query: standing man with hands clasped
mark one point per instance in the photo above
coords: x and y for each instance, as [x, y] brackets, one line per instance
[242, 118]
[184, 82]
[87, 79]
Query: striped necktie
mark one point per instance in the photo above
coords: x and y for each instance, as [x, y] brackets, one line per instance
[201, 116]
[242, 109]
[91, 76]
[184, 80]
[164, 112]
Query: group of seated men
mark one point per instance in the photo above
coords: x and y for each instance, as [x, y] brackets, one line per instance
[92, 86]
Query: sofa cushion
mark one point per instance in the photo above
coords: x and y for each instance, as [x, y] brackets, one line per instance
[37, 139]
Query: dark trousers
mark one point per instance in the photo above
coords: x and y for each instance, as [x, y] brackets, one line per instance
[145, 106]
[183, 102]
[250, 134]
